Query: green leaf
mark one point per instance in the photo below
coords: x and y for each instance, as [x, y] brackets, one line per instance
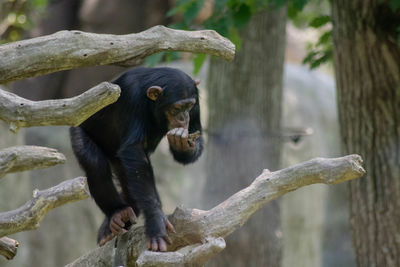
[309, 57]
[242, 16]
[198, 62]
[193, 10]
[171, 55]
[298, 4]
[326, 57]
[235, 38]
[325, 38]
[220, 25]
[320, 21]
[292, 12]
[174, 11]
[40, 3]
[394, 4]
[278, 3]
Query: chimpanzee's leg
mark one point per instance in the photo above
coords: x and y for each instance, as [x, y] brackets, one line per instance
[119, 171]
[140, 186]
[98, 172]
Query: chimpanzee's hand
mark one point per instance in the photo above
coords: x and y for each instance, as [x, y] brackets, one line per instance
[158, 241]
[179, 140]
[118, 220]
[117, 223]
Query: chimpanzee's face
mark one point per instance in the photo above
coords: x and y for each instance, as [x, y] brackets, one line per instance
[177, 114]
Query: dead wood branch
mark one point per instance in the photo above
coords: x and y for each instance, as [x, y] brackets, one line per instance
[194, 257]
[20, 112]
[8, 247]
[22, 158]
[72, 49]
[32, 212]
[195, 226]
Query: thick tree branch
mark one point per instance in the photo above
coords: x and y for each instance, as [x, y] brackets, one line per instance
[195, 226]
[72, 49]
[32, 212]
[22, 158]
[8, 247]
[20, 112]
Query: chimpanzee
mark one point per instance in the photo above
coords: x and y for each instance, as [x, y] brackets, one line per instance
[118, 139]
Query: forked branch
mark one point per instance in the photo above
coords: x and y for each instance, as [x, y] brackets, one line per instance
[32, 212]
[197, 227]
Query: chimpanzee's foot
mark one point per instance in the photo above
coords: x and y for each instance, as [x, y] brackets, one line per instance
[118, 224]
[159, 243]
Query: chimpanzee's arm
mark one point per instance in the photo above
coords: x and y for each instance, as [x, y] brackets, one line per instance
[192, 154]
[142, 189]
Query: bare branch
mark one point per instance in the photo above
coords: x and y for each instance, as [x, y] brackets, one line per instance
[197, 226]
[8, 247]
[32, 212]
[196, 256]
[22, 158]
[20, 112]
[72, 49]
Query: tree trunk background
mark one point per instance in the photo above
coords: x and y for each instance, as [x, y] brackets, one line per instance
[315, 233]
[367, 64]
[245, 99]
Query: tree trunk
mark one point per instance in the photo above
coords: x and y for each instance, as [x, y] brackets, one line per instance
[245, 99]
[367, 64]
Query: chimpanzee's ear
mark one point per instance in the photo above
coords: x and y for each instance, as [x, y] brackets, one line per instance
[197, 81]
[153, 92]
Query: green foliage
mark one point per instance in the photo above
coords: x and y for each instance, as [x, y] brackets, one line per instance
[321, 52]
[320, 21]
[198, 62]
[155, 59]
[313, 15]
[230, 16]
[188, 8]
[227, 19]
[394, 5]
[17, 17]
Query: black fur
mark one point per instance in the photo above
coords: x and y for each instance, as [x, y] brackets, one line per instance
[120, 137]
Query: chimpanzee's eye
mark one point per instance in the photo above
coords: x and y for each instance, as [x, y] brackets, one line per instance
[175, 111]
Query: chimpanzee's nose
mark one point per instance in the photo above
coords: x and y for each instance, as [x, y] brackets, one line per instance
[182, 119]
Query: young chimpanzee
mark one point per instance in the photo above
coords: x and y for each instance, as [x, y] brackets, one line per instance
[118, 139]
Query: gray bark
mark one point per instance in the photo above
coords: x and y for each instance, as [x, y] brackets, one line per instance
[20, 112]
[367, 65]
[23, 158]
[244, 101]
[72, 49]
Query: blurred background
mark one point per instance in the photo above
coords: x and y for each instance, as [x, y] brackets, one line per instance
[266, 109]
